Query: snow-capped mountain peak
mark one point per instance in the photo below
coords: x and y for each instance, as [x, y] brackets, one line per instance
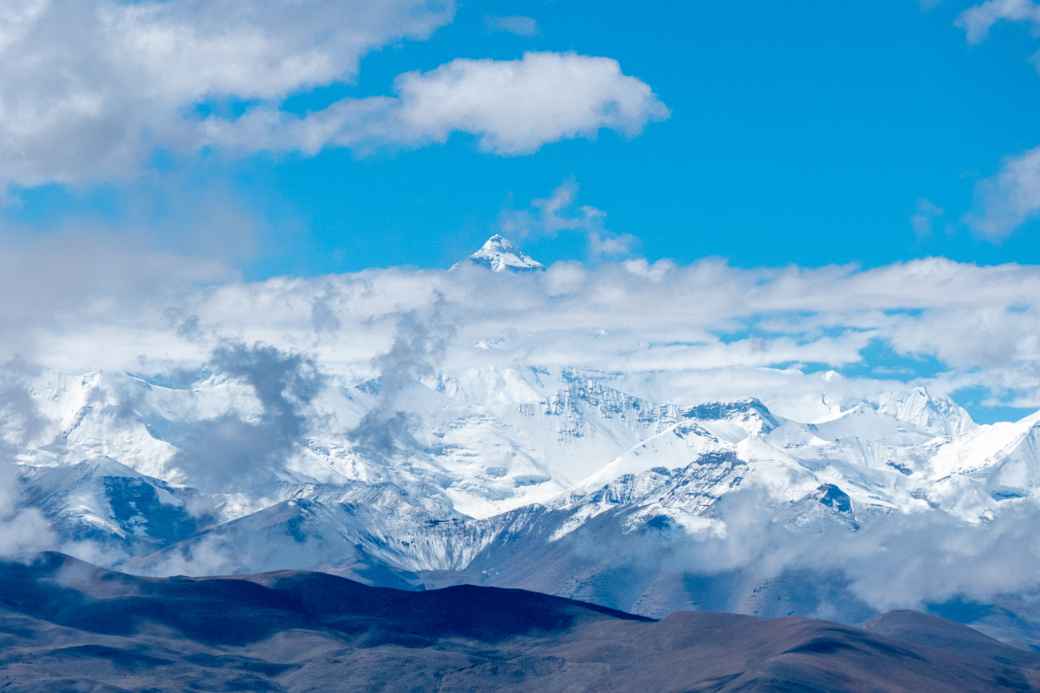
[939, 415]
[498, 254]
[750, 414]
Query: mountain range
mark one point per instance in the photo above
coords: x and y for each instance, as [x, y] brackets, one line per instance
[570, 482]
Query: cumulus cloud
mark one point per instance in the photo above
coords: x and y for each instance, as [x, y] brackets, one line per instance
[92, 89]
[513, 24]
[516, 106]
[95, 89]
[1010, 198]
[512, 107]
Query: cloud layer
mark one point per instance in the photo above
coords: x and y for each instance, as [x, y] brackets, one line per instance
[93, 91]
[512, 107]
[95, 88]
[716, 330]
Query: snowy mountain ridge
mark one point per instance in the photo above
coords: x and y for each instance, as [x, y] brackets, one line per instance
[570, 481]
[477, 459]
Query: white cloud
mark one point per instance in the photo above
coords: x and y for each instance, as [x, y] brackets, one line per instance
[92, 88]
[977, 20]
[514, 24]
[681, 332]
[1009, 199]
[560, 212]
[512, 107]
[516, 106]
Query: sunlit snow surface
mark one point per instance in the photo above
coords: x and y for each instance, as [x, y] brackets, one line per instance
[490, 440]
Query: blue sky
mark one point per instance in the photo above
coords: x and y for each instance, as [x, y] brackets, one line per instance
[800, 132]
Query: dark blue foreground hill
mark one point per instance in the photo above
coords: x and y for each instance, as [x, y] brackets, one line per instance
[67, 625]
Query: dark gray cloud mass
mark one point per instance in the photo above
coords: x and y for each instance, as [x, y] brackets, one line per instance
[21, 529]
[229, 452]
[831, 568]
[420, 343]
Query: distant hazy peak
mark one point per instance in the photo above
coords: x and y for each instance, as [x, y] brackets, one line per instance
[498, 254]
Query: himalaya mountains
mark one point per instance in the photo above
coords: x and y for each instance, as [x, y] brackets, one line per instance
[562, 480]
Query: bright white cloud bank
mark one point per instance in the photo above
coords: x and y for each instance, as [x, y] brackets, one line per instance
[718, 330]
[511, 106]
[93, 89]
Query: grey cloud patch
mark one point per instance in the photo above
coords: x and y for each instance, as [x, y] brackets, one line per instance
[814, 560]
[323, 313]
[228, 452]
[419, 346]
[513, 24]
[890, 561]
[72, 276]
[185, 325]
[162, 241]
[21, 418]
[282, 381]
[22, 530]
[1009, 199]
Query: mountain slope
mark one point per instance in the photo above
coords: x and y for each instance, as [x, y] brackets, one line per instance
[68, 625]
